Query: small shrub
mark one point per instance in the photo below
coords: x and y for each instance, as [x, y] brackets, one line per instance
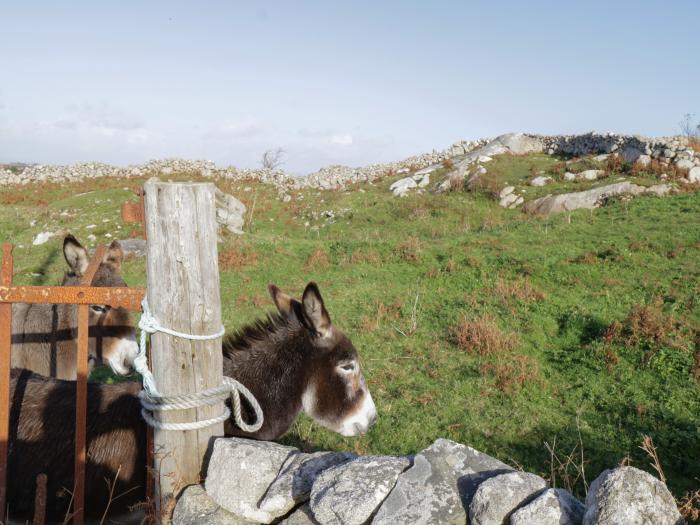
[448, 164]
[482, 336]
[646, 328]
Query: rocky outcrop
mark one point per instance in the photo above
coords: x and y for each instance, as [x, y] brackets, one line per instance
[230, 212]
[630, 496]
[589, 199]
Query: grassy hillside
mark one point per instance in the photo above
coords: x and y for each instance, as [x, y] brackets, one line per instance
[532, 339]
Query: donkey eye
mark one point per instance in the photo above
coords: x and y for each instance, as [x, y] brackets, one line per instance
[98, 308]
[348, 367]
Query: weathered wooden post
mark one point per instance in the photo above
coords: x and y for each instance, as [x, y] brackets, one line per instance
[183, 294]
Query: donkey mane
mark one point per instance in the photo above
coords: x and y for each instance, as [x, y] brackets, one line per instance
[274, 326]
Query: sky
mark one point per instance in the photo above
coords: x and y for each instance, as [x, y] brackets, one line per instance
[331, 82]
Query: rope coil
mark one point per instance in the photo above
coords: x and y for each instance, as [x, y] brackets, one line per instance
[153, 401]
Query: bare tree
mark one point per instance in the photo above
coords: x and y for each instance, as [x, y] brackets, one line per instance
[272, 159]
[689, 129]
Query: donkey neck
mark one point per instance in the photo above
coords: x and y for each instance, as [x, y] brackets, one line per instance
[272, 359]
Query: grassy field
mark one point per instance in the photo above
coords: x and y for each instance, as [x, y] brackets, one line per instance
[532, 339]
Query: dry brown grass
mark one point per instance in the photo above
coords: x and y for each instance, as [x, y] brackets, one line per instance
[656, 168]
[365, 257]
[513, 373]
[694, 143]
[482, 336]
[689, 506]
[647, 328]
[383, 313]
[520, 290]
[448, 164]
[317, 260]
[410, 250]
[237, 258]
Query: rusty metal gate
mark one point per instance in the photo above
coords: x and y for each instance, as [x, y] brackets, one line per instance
[83, 296]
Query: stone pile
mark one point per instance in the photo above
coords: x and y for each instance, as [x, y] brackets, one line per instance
[447, 483]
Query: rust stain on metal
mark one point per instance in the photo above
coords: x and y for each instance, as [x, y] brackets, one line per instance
[132, 212]
[129, 298]
[81, 392]
[5, 349]
[40, 500]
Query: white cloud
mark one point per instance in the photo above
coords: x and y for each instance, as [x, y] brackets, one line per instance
[342, 140]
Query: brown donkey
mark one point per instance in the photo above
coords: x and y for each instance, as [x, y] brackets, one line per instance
[44, 336]
[294, 360]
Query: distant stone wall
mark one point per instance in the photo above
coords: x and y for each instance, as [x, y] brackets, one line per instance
[632, 147]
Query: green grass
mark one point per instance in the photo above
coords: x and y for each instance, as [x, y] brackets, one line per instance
[553, 285]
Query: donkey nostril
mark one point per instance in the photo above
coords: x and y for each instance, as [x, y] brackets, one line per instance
[373, 419]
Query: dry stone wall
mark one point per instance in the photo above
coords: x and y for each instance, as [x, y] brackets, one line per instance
[446, 484]
[633, 148]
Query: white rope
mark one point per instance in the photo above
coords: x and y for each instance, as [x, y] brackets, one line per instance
[153, 401]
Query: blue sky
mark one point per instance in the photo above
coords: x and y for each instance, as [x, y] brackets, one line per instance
[333, 82]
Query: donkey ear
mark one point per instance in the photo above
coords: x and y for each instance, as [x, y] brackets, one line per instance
[282, 301]
[76, 256]
[315, 311]
[114, 255]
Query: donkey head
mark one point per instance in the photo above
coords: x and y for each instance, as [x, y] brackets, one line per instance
[112, 333]
[335, 392]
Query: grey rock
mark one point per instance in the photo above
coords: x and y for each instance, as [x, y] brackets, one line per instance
[519, 143]
[630, 496]
[685, 164]
[401, 187]
[195, 507]
[552, 507]
[295, 479]
[348, 494]
[427, 171]
[497, 497]
[644, 160]
[439, 486]
[508, 201]
[506, 191]
[540, 181]
[631, 154]
[240, 473]
[694, 174]
[301, 516]
[230, 212]
[588, 199]
[569, 176]
[601, 158]
[590, 174]
[424, 181]
[134, 247]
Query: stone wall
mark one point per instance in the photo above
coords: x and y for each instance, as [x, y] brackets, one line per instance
[447, 483]
[632, 147]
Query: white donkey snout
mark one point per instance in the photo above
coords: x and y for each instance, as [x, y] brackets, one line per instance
[360, 422]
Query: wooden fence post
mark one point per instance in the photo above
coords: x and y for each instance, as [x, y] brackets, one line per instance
[183, 294]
